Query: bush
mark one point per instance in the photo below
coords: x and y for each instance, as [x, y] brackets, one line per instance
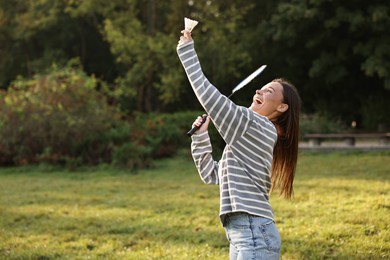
[165, 134]
[318, 123]
[57, 117]
[62, 118]
[132, 156]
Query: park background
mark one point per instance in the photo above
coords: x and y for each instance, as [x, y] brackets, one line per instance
[92, 91]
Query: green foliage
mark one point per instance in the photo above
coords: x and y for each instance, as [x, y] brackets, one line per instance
[164, 134]
[159, 135]
[319, 123]
[132, 155]
[146, 50]
[336, 53]
[37, 34]
[61, 118]
[168, 213]
[55, 117]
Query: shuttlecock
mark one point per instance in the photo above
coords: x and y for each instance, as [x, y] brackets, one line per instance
[189, 24]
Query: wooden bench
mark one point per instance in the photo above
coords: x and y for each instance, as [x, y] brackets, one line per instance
[348, 139]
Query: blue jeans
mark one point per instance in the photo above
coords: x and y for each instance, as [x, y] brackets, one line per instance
[252, 237]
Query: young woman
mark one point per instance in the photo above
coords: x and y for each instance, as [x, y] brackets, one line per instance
[260, 155]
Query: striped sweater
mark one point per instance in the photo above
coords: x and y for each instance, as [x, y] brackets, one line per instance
[244, 171]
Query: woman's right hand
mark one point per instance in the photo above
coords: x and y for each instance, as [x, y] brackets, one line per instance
[203, 127]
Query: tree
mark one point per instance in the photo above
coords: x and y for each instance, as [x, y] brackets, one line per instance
[128, 43]
[145, 46]
[35, 35]
[336, 52]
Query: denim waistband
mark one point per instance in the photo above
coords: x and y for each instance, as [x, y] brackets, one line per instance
[235, 215]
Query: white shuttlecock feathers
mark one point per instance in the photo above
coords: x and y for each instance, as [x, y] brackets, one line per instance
[189, 24]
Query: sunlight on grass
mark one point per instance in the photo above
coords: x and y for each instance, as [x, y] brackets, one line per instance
[340, 211]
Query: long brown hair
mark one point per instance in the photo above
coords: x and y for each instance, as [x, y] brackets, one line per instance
[285, 153]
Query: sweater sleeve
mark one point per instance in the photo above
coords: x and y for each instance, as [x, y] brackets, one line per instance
[230, 120]
[201, 153]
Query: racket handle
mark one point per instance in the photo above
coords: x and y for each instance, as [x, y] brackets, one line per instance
[193, 130]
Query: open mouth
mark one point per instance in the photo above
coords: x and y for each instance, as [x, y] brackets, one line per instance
[258, 101]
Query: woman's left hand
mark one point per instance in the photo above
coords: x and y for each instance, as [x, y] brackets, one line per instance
[186, 37]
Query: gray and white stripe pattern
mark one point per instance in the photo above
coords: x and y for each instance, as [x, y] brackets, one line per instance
[244, 171]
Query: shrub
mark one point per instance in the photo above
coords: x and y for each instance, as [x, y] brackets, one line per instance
[162, 133]
[132, 156]
[56, 117]
[166, 133]
[319, 123]
[62, 118]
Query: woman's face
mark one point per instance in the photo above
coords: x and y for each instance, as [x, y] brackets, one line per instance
[268, 101]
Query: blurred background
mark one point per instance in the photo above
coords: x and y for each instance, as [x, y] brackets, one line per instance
[93, 81]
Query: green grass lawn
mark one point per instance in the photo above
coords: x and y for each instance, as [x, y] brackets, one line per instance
[341, 210]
